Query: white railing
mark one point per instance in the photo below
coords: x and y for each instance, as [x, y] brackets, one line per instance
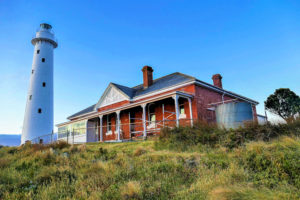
[135, 130]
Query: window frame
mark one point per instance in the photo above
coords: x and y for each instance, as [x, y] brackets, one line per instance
[109, 124]
[181, 108]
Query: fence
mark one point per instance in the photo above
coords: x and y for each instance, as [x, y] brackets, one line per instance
[44, 139]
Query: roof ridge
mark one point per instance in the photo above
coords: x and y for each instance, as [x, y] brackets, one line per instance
[121, 85]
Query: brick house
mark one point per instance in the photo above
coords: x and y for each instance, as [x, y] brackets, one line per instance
[123, 113]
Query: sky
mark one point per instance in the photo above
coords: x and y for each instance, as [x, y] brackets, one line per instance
[254, 45]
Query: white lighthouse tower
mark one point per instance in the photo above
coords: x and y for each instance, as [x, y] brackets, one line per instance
[38, 120]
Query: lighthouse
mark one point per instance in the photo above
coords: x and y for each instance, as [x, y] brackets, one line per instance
[38, 119]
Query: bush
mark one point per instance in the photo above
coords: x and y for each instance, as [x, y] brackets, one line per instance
[184, 137]
[273, 163]
[59, 145]
[209, 134]
[139, 151]
[4, 162]
[131, 190]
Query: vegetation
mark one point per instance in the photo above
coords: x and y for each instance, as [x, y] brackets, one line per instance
[284, 103]
[187, 138]
[203, 162]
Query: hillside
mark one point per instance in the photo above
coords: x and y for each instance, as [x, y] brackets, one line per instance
[147, 170]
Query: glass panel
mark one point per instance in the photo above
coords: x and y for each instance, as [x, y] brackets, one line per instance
[181, 109]
[79, 128]
[152, 118]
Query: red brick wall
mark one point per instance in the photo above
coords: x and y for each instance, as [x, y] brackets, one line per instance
[203, 97]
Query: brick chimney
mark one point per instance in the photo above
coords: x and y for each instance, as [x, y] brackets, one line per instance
[147, 76]
[217, 78]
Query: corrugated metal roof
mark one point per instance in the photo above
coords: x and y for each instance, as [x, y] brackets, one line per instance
[84, 111]
[163, 82]
[158, 84]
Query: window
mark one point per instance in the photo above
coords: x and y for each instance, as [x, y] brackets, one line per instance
[38, 51]
[152, 118]
[43, 59]
[108, 123]
[30, 97]
[182, 114]
[152, 115]
[44, 84]
[39, 110]
[181, 108]
[132, 121]
[32, 71]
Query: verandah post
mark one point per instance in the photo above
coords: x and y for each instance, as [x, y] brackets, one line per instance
[118, 124]
[129, 120]
[144, 121]
[163, 114]
[176, 97]
[101, 131]
[191, 112]
[73, 136]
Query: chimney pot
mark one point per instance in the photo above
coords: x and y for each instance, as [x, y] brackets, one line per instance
[217, 79]
[147, 76]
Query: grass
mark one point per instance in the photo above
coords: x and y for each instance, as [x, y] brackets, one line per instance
[150, 170]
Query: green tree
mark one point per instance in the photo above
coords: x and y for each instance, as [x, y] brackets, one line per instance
[284, 103]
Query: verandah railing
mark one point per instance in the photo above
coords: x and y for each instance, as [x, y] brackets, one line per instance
[135, 131]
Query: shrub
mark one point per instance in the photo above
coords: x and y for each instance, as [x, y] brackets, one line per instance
[4, 162]
[139, 151]
[105, 155]
[59, 144]
[182, 138]
[131, 190]
[12, 150]
[274, 163]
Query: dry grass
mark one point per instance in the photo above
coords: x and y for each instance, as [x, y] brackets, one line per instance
[4, 162]
[131, 190]
[220, 193]
[140, 171]
[139, 151]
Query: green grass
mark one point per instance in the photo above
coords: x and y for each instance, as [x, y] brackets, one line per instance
[145, 170]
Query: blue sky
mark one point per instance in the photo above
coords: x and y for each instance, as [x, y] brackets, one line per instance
[255, 45]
